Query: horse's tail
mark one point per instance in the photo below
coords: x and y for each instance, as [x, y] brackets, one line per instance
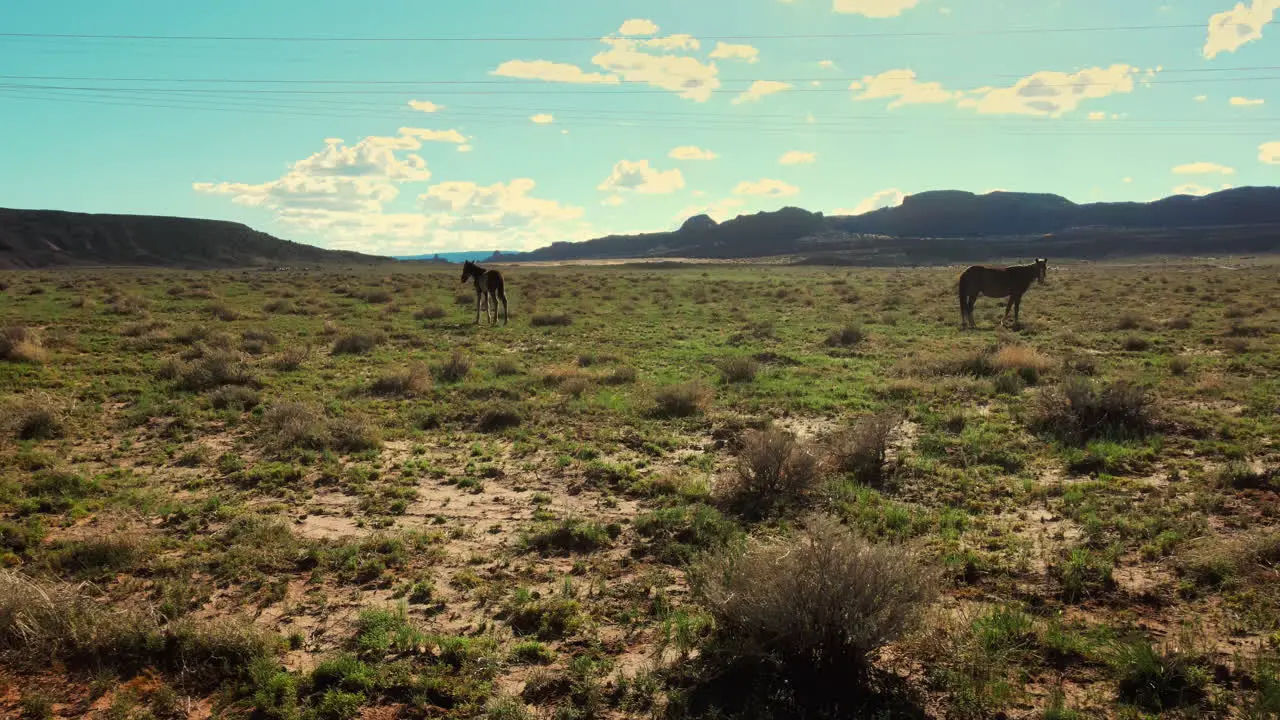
[960, 289]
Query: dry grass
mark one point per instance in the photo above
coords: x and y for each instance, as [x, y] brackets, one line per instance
[18, 344]
[430, 312]
[738, 369]
[774, 472]
[821, 601]
[860, 450]
[453, 370]
[847, 336]
[551, 320]
[412, 381]
[1081, 410]
[34, 416]
[1019, 357]
[681, 400]
[357, 343]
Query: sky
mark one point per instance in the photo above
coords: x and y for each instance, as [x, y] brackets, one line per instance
[410, 126]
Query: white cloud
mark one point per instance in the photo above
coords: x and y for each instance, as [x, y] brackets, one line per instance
[449, 136]
[759, 89]
[1192, 189]
[552, 72]
[827, 64]
[902, 86]
[766, 187]
[1052, 93]
[465, 148]
[1269, 153]
[691, 152]
[1097, 115]
[1201, 98]
[1203, 168]
[1242, 24]
[543, 119]
[1128, 180]
[341, 195]
[639, 177]
[891, 197]
[873, 8]
[729, 51]
[638, 26]
[684, 75]
[1246, 102]
[425, 106]
[612, 201]
[726, 209]
[796, 157]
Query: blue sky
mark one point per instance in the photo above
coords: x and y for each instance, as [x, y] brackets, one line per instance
[564, 120]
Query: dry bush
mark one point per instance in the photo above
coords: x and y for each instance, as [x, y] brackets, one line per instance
[213, 369]
[499, 417]
[43, 621]
[125, 304]
[575, 386]
[1128, 321]
[224, 312]
[1179, 365]
[354, 434]
[681, 399]
[860, 449]
[774, 472]
[1136, 343]
[280, 306]
[847, 336]
[292, 358]
[506, 366]
[413, 380]
[453, 370]
[376, 295]
[622, 375]
[18, 344]
[297, 425]
[464, 299]
[357, 343]
[430, 312]
[1081, 410]
[818, 603]
[1179, 323]
[738, 369]
[551, 320]
[557, 375]
[1020, 358]
[238, 397]
[256, 342]
[35, 416]
[1236, 345]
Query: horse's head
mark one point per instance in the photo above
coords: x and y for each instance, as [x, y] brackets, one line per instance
[468, 269]
[1042, 267]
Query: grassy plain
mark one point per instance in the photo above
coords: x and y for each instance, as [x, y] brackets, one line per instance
[327, 494]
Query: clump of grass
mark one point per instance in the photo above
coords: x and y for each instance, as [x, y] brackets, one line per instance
[499, 417]
[814, 605]
[1081, 410]
[297, 425]
[280, 306]
[20, 345]
[532, 652]
[569, 536]
[34, 416]
[504, 367]
[774, 472]
[551, 320]
[44, 621]
[1158, 680]
[681, 399]
[1128, 321]
[292, 358]
[738, 369]
[551, 618]
[357, 343]
[1241, 475]
[847, 336]
[224, 312]
[354, 434]
[1179, 365]
[212, 370]
[429, 312]
[860, 450]
[236, 397]
[621, 375]
[1237, 345]
[1025, 361]
[1179, 323]
[1082, 573]
[412, 380]
[453, 370]
[1136, 343]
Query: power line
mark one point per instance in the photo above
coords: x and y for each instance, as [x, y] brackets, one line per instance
[592, 38]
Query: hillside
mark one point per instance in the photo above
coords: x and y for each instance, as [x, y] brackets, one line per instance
[949, 225]
[48, 238]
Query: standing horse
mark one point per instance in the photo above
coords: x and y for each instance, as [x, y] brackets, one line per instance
[996, 282]
[489, 287]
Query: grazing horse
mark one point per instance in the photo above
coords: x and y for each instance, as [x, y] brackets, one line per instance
[489, 287]
[998, 282]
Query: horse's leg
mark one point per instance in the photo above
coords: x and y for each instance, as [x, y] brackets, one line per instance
[478, 306]
[493, 305]
[502, 295]
[1007, 309]
[1017, 308]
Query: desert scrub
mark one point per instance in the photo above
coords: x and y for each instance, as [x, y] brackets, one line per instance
[20, 345]
[34, 416]
[357, 343]
[552, 618]
[847, 336]
[305, 426]
[811, 606]
[681, 400]
[569, 536]
[738, 369]
[409, 382]
[453, 370]
[860, 450]
[1082, 410]
[774, 472]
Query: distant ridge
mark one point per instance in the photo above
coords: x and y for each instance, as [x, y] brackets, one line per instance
[52, 238]
[457, 257]
[951, 225]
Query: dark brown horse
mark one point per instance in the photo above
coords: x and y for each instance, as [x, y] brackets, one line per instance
[489, 287]
[998, 282]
